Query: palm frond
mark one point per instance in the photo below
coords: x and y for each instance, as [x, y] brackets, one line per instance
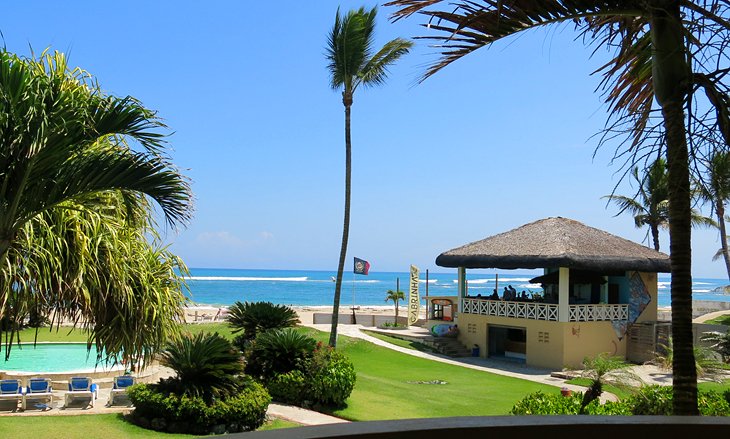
[375, 70]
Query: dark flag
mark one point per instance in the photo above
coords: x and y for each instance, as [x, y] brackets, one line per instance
[361, 266]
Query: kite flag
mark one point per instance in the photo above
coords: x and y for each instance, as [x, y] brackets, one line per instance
[361, 266]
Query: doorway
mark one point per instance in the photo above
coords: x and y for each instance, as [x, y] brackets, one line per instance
[507, 342]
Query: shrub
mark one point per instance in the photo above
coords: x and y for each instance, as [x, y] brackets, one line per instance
[278, 351]
[255, 317]
[540, 403]
[289, 387]
[190, 414]
[657, 400]
[330, 376]
[207, 365]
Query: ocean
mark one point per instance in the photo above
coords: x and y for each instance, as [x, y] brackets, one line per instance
[219, 287]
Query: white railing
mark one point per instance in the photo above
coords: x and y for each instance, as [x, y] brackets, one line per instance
[598, 313]
[519, 310]
[543, 311]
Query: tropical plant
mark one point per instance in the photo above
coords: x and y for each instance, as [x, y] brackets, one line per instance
[62, 142]
[252, 318]
[102, 268]
[715, 189]
[206, 366]
[665, 51]
[278, 351]
[720, 343]
[395, 296]
[603, 369]
[706, 364]
[331, 377]
[352, 63]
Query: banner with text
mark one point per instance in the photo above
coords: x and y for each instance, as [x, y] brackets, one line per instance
[414, 302]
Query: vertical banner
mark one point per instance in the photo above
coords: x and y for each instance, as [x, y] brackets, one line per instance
[414, 301]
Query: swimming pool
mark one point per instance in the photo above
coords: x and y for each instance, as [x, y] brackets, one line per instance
[53, 358]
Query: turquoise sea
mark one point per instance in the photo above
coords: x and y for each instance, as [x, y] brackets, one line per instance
[214, 286]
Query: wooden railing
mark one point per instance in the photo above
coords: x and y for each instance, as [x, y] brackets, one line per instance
[543, 311]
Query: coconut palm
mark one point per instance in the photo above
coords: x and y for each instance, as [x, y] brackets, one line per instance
[395, 296]
[352, 63]
[715, 189]
[653, 63]
[650, 205]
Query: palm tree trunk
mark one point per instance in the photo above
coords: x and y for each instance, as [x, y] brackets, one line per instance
[670, 73]
[346, 225]
[655, 236]
[720, 208]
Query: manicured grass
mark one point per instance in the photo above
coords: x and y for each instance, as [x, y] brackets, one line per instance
[393, 385]
[112, 426]
[721, 320]
[416, 346]
[62, 334]
[717, 387]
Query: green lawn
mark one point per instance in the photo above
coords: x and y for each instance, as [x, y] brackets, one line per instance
[110, 426]
[393, 385]
[402, 343]
[721, 320]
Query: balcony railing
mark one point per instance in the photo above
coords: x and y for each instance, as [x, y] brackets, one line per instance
[543, 311]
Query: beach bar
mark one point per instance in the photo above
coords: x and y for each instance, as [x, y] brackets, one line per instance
[596, 286]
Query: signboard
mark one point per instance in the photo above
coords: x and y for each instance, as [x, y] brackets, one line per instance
[414, 302]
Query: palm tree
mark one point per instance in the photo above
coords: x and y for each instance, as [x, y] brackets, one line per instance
[603, 369]
[653, 63]
[716, 191]
[649, 207]
[352, 63]
[62, 139]
[395, 296]
[252, 318]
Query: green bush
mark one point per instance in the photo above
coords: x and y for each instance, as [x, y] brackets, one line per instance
[540, 403]
[190, 414]
[657, 400]
[278, 351]
[331, 377]
[288, 387]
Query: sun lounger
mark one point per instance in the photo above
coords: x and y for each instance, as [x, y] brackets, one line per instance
[81, 387]
[11, 389]
[38, 389]
[121, 383]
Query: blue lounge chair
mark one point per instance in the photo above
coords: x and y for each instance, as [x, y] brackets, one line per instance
[121, 383]
[11, 389]
[38, 389]
[81, 387]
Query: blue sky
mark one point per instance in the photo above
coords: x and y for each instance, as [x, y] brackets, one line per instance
[501, 138]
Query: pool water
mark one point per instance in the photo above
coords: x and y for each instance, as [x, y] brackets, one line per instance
[51, 357]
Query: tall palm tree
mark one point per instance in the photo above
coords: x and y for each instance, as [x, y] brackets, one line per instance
[352, 63]
[395, 296]
[653, 63]
[61, 139]
[649, 207]
[715, 189]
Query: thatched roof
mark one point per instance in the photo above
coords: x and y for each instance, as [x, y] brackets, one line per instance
[556, 242]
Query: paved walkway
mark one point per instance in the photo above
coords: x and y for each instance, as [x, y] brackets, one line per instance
[709, 316]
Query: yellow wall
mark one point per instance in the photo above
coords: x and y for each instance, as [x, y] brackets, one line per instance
[588, 339]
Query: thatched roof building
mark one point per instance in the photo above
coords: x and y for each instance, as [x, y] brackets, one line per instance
[556, 242]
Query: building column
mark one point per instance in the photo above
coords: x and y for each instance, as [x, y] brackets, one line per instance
[462, 282]
[563, 295]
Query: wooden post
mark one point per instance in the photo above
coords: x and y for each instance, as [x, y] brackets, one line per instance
[563, 295]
